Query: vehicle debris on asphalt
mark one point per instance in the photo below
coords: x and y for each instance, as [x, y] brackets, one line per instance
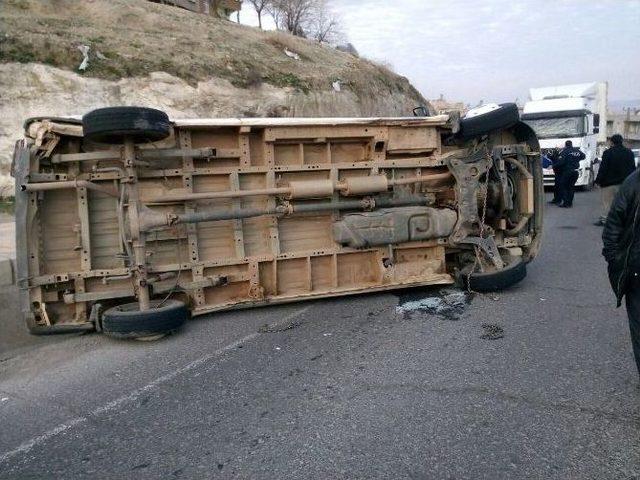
[492, 332]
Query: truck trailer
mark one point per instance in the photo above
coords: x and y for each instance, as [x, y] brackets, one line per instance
[128, 222]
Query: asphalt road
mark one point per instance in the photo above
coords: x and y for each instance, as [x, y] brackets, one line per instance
[354, 389]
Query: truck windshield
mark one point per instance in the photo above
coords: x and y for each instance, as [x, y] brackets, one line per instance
[557, 127]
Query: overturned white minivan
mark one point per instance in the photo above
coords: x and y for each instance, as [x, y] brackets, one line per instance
[128, 222]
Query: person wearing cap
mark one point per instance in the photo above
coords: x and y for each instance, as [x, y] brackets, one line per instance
[617, 164]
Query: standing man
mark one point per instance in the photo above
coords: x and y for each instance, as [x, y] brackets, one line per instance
[617, 164]
[568, 164]
[550, 160]
[621, 238]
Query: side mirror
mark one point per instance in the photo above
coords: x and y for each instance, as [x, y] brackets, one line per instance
[420, 112]
[596, 123]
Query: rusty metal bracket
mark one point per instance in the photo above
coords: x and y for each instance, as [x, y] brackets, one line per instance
[72, 297]
[488, 246]
[206, 282]
[468, 170]
[501, 172]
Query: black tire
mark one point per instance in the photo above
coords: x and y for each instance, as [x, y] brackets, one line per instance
[511, 274]
[111, 125]
[127, 321]
[504, 117]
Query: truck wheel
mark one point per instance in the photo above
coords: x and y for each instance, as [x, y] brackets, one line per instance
[504, 116]
[492, 281]
[111, 125]
[127, 321]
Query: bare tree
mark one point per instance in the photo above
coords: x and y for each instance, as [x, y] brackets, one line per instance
[293, 16]
[306, 18]
[324, 25]
[260, 6]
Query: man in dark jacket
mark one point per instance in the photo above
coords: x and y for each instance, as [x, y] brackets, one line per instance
[568, 164]
[552, 157]
[621, 238]
[617, 164]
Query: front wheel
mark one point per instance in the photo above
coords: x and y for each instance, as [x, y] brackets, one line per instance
[488, 118]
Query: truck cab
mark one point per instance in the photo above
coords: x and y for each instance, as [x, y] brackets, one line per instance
[570, 112]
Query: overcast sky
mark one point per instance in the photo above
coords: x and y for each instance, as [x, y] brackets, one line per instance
[495, 50]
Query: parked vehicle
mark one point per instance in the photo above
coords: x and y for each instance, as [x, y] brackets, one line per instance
[128, 222]
[570, 112]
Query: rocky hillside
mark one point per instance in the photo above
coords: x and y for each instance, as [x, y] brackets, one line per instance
[142, 53]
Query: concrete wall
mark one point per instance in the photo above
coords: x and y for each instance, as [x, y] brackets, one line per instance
[627, 125]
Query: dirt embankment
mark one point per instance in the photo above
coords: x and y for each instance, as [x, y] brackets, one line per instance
[142, 53]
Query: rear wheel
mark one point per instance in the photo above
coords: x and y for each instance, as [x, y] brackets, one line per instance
[113, 124]
[127, 321]
[492, 280]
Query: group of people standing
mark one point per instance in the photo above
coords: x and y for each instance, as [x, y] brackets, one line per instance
[619, 183]
[565, 164]
[617, 164]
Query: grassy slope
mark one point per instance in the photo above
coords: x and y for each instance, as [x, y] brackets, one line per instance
[138, 37]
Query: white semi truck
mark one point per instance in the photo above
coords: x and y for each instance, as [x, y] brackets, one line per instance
[570, 112]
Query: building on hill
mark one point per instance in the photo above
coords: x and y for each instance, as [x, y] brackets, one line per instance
[218, 8]
[444, 106]
[626, 124]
